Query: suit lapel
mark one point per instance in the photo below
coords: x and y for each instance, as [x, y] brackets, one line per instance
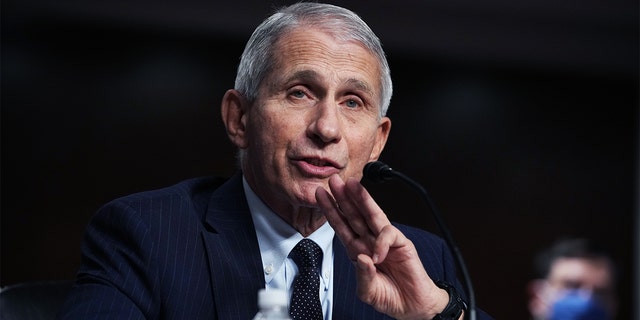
[233, 252]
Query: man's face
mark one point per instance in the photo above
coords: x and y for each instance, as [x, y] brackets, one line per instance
[317, 114]
[591, 276]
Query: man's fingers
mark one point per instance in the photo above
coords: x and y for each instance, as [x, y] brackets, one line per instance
[389, 237]
[353, 242]
[365, 273]
[366, 206]
[350, 209]
[336, 220]
[357, 220]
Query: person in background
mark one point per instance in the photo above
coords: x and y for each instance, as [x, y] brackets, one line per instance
[575, 280]
[307, 113]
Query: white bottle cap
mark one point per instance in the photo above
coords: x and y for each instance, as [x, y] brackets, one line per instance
[272, 298]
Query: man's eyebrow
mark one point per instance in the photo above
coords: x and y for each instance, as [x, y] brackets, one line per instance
[361, 86]
[311, 76]
[302, 75]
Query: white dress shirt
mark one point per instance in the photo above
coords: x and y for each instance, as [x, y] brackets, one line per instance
[277, 238]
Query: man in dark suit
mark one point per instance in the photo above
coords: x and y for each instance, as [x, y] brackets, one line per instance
[307, 113]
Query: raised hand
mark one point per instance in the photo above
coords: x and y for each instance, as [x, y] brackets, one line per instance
[390, 274]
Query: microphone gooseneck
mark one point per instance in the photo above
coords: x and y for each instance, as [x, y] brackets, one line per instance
[378, 171]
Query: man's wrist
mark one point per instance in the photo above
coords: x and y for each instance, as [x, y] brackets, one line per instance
[455, 307]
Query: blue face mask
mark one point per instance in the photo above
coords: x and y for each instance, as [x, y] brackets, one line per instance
[578, 305]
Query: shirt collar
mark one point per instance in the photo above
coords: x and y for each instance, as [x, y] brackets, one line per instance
[277, 238]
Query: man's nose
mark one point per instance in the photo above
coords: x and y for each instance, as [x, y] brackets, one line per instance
[325, 124]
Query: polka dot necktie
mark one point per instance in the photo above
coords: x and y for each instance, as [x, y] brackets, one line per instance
[305, 300]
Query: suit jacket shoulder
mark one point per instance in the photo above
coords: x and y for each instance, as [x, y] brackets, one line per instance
[159, 254]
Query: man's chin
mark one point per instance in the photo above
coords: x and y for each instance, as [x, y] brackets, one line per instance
[307, 195]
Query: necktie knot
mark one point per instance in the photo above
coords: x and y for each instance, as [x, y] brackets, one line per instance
[307, 255]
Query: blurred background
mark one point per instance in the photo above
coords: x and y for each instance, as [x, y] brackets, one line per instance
[519, 117]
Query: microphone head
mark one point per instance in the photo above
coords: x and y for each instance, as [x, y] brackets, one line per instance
[377, 171]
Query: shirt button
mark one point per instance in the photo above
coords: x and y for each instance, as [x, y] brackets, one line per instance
[268, 269]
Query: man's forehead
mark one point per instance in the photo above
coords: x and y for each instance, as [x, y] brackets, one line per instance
[300, 62]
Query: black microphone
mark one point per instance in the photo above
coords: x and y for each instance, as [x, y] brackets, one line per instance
[378, 171]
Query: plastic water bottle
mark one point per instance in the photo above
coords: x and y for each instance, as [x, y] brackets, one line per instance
[273, 305]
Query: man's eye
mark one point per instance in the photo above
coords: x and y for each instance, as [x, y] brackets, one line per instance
[298, 94]
[352, 103]
[572, 285]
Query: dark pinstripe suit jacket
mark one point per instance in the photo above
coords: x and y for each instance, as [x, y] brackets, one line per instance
[190, 252]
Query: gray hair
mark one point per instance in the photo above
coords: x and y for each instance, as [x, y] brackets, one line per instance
[258, 57]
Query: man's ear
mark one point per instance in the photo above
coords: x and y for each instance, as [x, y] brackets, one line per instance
[234, 115]
[384, 127]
